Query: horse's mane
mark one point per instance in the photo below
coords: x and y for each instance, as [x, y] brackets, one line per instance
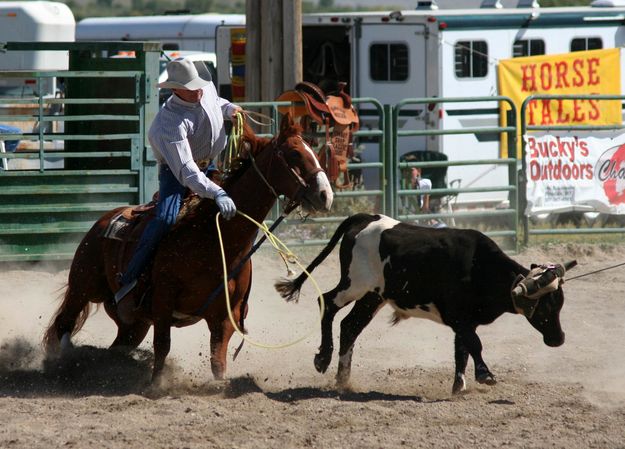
[256, 145]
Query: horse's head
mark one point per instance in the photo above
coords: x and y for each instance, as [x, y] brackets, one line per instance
[290, 167]
[306, 182]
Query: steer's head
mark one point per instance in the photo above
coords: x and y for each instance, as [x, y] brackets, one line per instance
[539, 297]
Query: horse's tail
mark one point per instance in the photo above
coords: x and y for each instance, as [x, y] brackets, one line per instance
[67, 319]
[289, 289]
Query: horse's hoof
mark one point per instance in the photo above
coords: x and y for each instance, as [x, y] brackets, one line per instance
[460, 385]
[486, 378]
[153, 390]
[321, 363]
[65, 344]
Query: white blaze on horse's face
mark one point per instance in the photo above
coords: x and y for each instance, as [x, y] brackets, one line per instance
[323, 183]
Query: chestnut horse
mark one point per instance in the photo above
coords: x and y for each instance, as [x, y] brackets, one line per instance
[187, 266]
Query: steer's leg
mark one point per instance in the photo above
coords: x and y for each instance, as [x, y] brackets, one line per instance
[472, 343]
[324, 356]
[462, 357]
[352, 325]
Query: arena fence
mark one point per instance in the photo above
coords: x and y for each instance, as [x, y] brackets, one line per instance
[83, 150]
[506, 218]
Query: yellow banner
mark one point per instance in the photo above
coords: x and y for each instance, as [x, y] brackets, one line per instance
[584, 72]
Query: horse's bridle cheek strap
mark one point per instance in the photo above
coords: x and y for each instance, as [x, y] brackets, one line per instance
[299, 183]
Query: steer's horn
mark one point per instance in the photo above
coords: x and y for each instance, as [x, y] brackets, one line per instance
[570, 264]
[518, 289]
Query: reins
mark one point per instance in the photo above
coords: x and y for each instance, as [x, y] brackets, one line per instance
[595, 272]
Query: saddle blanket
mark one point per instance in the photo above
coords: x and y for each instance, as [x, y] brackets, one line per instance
[119, 227]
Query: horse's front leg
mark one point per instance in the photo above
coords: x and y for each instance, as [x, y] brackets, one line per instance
[162, 345]
[162, 313]
[221, 331]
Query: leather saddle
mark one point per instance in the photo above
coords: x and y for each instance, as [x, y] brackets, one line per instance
[331, 111]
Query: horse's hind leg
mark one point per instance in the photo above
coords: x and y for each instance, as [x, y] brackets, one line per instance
[73, 312]
[86, 282]
[352, 325]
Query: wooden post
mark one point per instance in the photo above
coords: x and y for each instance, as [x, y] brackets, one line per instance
[252, 50]
[292, 44]
[273, 47]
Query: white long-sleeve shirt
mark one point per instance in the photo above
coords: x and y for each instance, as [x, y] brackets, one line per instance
[183, 133]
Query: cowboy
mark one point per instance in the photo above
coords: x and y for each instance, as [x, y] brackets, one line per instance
[187, 129]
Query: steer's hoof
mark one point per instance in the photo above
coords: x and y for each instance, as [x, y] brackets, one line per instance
[343, 386]
[322, 363]
[460, 384]
[486, 378]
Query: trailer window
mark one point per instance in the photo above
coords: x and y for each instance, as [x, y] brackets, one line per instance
[388, 62]
[528, 47]
[471, 59]
[586, 43]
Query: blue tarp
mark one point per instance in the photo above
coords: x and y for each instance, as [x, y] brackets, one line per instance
[10, 145]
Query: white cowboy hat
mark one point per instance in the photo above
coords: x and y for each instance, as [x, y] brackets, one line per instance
[182, 74]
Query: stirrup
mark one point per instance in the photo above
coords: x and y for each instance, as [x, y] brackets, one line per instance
[124, 290]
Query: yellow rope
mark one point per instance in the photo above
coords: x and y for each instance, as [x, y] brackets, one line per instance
[283, 250]
[233, 142]
[250, 115]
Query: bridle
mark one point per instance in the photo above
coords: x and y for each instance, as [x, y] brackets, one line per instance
[301, 183]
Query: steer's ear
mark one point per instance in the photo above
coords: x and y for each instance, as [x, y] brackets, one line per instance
[570, 264]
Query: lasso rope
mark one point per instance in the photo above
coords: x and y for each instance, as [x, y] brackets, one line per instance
[594, 272]
[250, 114]
[286, 254]
[233, 141]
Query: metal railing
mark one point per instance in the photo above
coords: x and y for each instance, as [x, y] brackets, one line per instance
[510, 212]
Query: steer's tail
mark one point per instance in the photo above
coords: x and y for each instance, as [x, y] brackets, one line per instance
[289, 289]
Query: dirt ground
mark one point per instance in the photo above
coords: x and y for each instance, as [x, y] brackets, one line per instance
[567, 397]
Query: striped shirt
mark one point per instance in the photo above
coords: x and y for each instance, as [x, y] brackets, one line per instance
[184, 133]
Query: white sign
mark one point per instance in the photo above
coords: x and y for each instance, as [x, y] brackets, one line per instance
[567, 172]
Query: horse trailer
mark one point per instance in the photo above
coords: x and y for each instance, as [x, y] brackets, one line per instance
[190, 32]
[36, 21]
[444, 53]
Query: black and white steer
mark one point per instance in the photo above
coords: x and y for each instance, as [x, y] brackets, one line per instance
[457, 277]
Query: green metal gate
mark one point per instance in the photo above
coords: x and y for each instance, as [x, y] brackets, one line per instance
[510, 232]
[83, 151]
